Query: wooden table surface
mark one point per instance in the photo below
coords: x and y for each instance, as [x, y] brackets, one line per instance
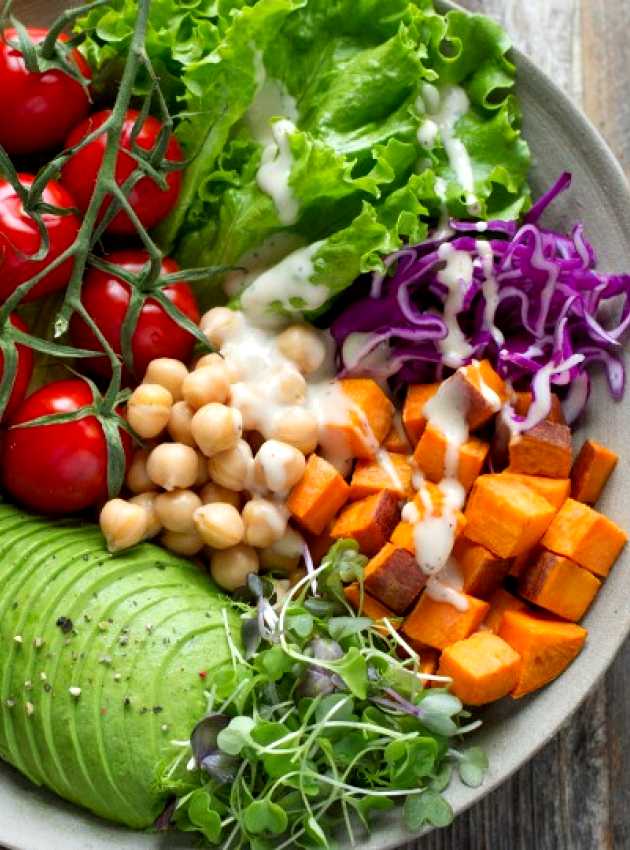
[575, 795]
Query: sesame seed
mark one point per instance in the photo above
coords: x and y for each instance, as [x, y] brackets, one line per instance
[105, 659]
[164, 727]
[103, 626]
[38, 642]
[10, 703]
[18, 639]
[43, 677]
[28, 685]
[75, 692]
[30, 709]
[117, 677]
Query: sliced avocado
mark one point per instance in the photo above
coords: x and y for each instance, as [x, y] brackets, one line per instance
[104, 661]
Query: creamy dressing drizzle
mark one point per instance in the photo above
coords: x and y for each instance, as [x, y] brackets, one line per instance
[490, 288]
[456, 276]
[275, 170]
[541, 389]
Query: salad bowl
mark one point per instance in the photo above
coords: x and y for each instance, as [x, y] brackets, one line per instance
[561, 139]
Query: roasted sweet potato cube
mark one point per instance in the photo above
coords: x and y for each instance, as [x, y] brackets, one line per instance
[554, 490]
[439, 624]
[430, 456]
[369, 521]
[483, 667]
[371, 607]
[518, 564]
[546, 647]
[592, 469]
[394, 578]
[506, 516]
[586, 536]
[403, 534]
[543, 450]
[484, 391]
[500, 602]
[318, 496]
[366, 419]
[396, 440]
[482, 571]
[557, 584]
[390, 472]
[522, 401]
[413, 417]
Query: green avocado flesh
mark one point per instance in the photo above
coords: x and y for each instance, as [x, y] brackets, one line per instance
[144, 626]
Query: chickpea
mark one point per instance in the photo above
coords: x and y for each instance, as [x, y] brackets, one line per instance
[173, 466]
[265, 523]
[297, 427]
[288, 386]
[176, 509]
[213, 359]
[123, 524]
[188, 545]
[203, 476]
[304, 346]
[230, 567]
[203, 386]
[285, 554]
[278, 466]
[217, 428]
[249, 403]
[219, 525]
[147, 501]
[168, 373]
[148, 409]
[179, 423]
[212, 492]
[219, 324]
[137, 479]
[233, 468]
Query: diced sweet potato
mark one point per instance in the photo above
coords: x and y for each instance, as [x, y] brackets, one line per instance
[519, 563]
[368, 417]
[522, 401]
[484, 390]
[318, 496]
[394, 578]
[554, 490]
[482, 571]
[413, 417]
[371, 606]
[403, 534]
[546, 647]
[440, 624]
[505, 516]
[500, 602]
[558, 585]
[483, 667]
[397, 441]
[586, 536]
[591, 470]
[391, 472]
[369, 521]
[430, 456]
[543, 450]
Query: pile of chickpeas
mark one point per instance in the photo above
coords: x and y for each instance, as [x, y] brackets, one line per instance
[206, 484]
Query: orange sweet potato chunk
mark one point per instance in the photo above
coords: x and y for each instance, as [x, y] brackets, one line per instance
[483, 667]
[369, 417]
[557, 584]
[369, 521]
[481, 570]
[592, 468]
[371, 606]
[500, 602]
[554, 490]
[440, 624]
[392, 473]
[413, 417]
[484, 390]
[543, 450]
[403, 534]
[506, 516]
[430, 456]
[318, 496]
[394, 578]
[546, 647]
[586, 536]
[522, 401]
[396, 440]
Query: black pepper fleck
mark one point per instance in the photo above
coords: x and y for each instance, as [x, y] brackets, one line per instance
[65, 624]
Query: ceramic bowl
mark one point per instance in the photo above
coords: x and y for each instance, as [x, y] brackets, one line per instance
[561, 139]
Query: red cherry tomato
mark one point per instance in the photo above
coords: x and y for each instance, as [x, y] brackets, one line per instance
[23, 373]
[149, 201]
[106, 298]
[38, 110]
[57, 469]
[20, 239]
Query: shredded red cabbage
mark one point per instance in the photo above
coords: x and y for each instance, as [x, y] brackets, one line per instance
[534, 305]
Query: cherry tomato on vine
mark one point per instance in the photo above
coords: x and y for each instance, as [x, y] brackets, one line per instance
[23, 373]
[106, 298]
[20, 239]
[57, 468]
[150, 203]
[37, 110]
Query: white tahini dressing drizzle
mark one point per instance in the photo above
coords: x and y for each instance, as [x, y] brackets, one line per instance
[275, 170]
[490, 288]
[456, 276]
[253, 263]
